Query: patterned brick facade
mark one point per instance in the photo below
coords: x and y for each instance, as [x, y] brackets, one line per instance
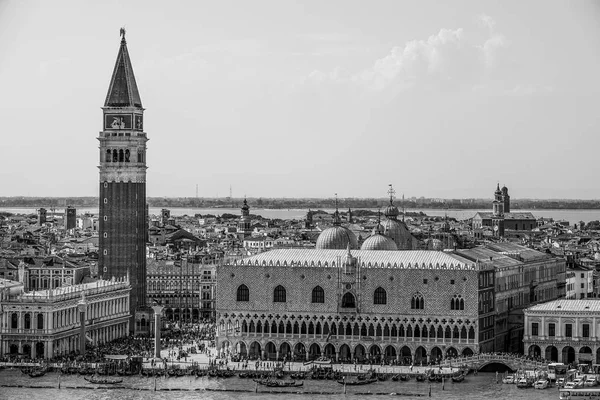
[300, 328]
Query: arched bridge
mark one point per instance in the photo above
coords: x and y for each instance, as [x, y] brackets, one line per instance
[477, 362]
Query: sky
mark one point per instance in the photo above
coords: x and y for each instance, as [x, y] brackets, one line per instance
[309, 98]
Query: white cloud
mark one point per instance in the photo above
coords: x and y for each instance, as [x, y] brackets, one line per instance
[450, 58]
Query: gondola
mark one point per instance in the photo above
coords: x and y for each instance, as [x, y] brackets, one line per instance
[404, 377]
[458, 378]
[382, 377]
[396, 377]
[357, 382]
[420, 378]
[36, 373]
[278, 383]
[103, 381]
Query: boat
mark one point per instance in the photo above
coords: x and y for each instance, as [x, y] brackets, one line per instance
[36, 373]
[524, 383]
[541, 384]
[102, 381]
[509, 379]
[278, 383]
[590, 383]
[396, 377]
[458, 378]
[357, 382]
[382, 377]
[578, 382]
[420, 378]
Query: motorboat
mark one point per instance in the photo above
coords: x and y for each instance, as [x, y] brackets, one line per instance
[524, 383]
[541, 384]
[510, 379]
[578, 382]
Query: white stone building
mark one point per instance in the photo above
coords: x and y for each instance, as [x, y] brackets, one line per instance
[564, 330]
[46, 323]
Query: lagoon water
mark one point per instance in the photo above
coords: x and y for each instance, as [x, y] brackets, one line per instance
[573, 216]
[482, 386]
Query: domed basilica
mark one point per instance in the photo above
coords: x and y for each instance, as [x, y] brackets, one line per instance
[390, 234]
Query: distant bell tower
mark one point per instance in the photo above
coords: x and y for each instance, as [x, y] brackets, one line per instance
[498, 213]
[122, 210]
[506, 199]
[244, 228]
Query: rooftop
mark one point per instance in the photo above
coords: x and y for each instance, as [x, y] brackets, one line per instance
[566, 305]
[423, 259]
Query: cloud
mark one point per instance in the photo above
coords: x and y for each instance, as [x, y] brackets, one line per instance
[449, 59]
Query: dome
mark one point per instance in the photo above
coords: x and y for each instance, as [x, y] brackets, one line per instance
[391, 211]
[378, 242]
[399, 233]
[336, 238]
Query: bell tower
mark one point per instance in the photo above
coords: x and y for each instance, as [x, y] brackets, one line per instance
[122, 208]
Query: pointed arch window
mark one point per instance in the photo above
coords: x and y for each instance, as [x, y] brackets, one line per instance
[380, 296]
[457, 303]
[348, 301]
[318, 295]
[108, 155]
[417, 302]
[279, 295]
[243, 294]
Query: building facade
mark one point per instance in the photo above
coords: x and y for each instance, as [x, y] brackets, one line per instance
[46, 323]
[564, 330]
[122, 208]
[405, 306]
[185, 287]
[522, 277]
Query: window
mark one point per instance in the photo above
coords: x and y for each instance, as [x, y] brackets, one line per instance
[40, 321]
[243, 294]
[279, 294]
[318, 295]
[452, 281]
[27, 324]
[457, 303]
[105, 218]
[551, 329]
[14, 321]
[380, 296]
[424, 281]
[586, 330]
[568, 330]
[105, 200]
[348, 301]
[534, 329]
[417, 302]
[582, 275]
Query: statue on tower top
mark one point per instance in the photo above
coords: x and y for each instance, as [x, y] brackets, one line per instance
[122, 33]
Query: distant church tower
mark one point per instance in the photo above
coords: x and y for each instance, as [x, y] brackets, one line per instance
[123, 227]
[244, 228]
[498, 213]
[506, 199]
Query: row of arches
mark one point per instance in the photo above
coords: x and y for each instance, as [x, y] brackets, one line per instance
[344, 352]
[566, 355]
[377, 330]
[114, 155]
[174, 284]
